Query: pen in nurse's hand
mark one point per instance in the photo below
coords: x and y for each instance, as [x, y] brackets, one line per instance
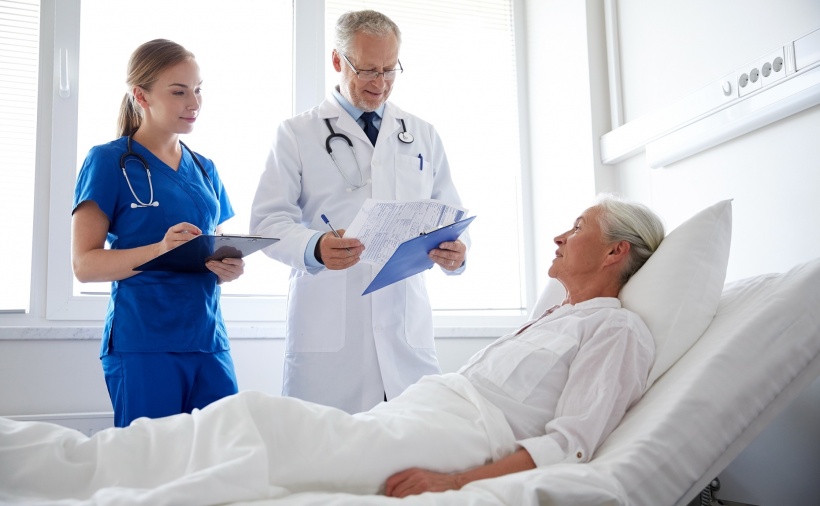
[324, 218]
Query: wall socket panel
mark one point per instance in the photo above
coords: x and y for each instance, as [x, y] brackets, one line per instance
[761, 72]
[772, 67]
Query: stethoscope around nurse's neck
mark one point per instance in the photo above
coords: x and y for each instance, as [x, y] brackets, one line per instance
[404, 136]
[151, 202]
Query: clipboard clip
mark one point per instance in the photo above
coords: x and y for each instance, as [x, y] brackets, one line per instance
[435, 229]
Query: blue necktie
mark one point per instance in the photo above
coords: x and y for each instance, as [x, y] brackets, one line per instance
[369, 128]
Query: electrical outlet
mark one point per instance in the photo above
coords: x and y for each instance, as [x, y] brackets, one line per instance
[772, 67]
[748, 80]
[762, 72]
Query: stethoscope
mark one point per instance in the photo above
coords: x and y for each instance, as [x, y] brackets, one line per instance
[404, 136]
[151, 202]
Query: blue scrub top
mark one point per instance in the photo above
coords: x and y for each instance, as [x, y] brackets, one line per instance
[157, 311]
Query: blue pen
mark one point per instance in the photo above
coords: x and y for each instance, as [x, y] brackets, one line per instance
[324, 218]
[421, 162]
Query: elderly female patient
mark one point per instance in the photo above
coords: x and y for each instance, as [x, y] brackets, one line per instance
[549, 392]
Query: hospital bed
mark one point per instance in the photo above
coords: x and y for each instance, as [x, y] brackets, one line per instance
[729, 359]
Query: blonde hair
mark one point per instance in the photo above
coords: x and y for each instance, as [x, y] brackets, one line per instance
[144, 67]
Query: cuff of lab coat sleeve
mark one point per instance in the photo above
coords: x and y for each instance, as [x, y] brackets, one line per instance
[457, 271]
[311, 264]
[544, 450]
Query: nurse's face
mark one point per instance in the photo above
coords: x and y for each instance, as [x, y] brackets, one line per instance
[174, 100]
[367, 53]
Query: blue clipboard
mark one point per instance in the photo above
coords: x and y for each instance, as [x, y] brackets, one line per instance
[192, 255]
[411, 256]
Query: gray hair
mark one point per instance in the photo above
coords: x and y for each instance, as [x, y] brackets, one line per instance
[368, 21]
[631, 222]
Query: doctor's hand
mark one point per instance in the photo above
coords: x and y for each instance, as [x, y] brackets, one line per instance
[227, 269]
[449, 255]
[339, 253]
[178, 235]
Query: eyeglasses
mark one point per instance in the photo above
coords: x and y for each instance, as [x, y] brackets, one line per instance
[370, 75]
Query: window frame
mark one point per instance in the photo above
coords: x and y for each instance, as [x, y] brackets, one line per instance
[53, 303]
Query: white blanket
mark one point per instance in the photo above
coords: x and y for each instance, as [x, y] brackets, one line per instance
[254, 446]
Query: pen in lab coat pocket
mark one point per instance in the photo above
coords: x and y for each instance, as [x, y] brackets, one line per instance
[421, 162]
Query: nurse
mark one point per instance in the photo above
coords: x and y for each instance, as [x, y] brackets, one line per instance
[164, 346]
[344, 349]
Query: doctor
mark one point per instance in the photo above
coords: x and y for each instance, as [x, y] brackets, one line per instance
[344, 349]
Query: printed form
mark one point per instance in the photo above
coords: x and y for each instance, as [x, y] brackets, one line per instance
[382, 225]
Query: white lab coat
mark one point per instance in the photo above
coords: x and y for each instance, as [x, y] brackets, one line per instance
[344, 349]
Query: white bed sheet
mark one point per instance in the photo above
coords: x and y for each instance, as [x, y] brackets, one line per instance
[761, 349]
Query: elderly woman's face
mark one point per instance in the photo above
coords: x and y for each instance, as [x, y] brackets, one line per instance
[581, 250]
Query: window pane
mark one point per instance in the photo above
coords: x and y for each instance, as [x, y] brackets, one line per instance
[244, 49]
[19, 60]
[469, 93]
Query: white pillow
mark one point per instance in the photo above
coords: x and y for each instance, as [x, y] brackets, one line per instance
[678, 289]
[553, 293]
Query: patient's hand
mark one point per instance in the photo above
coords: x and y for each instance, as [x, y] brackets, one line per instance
[416, 481]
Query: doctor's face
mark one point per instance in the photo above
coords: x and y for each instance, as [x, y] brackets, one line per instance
[367, 53]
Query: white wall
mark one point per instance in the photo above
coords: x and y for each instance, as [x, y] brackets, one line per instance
[62, 374]
[668, 50]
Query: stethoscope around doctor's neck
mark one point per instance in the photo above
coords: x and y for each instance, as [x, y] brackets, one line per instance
[151, 202]
[404, 136]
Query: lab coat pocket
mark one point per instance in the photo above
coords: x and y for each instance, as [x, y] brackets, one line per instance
[414, 178]
[316, 312]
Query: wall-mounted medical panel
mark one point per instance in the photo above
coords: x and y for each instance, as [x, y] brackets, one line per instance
[782, 82]
[807, 50]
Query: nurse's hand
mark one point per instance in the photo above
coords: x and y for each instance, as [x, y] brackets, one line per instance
[339, 253]
[178, 235]
[227, 269]
[449, 255]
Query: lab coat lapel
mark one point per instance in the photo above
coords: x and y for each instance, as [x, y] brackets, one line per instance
[345, 124]
[391, 122]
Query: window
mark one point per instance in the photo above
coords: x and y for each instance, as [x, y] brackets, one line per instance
[244, 96]
[245, 92]
[468, 92]
[19, 59]
[261, 62]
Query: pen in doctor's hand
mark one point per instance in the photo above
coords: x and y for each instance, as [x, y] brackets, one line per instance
[324, 218]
